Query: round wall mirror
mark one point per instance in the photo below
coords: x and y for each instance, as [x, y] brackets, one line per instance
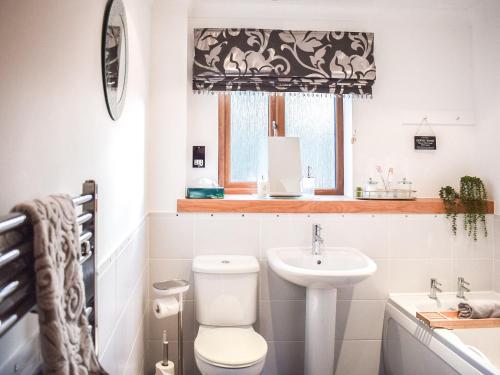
[115, 57]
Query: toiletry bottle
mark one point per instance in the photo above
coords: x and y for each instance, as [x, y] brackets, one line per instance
[165, 367]
[405, 188]
[262, 187]
[371, 188]
[308, 183]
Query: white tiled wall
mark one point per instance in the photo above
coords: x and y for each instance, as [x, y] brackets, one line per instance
[497, 253]
[122, 301]
[408, 249]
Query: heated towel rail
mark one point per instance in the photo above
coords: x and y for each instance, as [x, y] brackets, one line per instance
[17, 276]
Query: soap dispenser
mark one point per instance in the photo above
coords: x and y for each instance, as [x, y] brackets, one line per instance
[165, 367]
[308, 183]
[262, 187]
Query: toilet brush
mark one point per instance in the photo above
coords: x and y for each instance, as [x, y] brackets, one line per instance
[164, 361]
[165, 367]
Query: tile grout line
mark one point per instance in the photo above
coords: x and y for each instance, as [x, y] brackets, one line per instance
[142, 325]
[103, 265]
[390, 258]
[113, 263]
[122, 313]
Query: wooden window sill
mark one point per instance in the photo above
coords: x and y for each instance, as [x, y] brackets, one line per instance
[318, 204]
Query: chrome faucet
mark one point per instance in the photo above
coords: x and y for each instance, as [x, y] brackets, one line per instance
[317, 240]
[434, 288]
[461, 286]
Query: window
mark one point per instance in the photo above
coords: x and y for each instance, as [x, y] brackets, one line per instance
[246, 120]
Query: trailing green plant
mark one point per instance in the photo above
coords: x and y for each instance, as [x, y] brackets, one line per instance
[473, 198]
[450, 200]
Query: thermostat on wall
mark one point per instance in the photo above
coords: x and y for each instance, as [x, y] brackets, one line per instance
[198, 156]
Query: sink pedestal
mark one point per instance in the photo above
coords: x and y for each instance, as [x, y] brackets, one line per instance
[336, 267]
[321, 307]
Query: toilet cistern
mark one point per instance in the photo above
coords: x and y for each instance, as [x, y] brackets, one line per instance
[317, 240]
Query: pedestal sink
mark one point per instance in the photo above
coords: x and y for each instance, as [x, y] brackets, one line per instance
[335, 267]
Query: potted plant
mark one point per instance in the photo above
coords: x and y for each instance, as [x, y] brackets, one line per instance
[473, 199]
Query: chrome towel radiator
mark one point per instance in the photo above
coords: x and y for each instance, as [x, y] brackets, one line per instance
[17, 275]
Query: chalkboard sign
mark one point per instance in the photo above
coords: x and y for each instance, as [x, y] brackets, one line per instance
[425, 142]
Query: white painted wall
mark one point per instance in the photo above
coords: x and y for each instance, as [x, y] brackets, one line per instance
[423, 63]
[55, 132]
[486, 52]
[486, 39]
[168, 108]
[496, 240]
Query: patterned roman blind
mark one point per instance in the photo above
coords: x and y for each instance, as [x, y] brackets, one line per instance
[334, 62]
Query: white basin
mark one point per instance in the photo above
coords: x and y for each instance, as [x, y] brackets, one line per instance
[336, 267]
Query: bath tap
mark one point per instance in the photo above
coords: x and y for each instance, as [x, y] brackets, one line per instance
[434, 288]
[461, 286]
[317, 240]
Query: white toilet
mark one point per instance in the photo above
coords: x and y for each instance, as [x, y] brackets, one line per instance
[225, 289]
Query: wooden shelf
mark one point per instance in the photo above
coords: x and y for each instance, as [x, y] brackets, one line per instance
[323, 204]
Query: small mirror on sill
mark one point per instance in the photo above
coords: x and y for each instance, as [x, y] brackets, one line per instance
[284, 166]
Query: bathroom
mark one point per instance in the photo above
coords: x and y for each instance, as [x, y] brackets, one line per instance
[436, 77]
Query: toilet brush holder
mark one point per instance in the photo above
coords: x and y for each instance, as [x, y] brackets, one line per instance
[171, 302]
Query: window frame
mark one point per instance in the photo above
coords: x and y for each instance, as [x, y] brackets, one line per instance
[276, 113]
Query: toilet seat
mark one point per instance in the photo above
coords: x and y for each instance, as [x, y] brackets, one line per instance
[230, 347]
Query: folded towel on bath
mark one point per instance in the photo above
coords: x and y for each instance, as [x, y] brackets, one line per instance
[66, 344]
[479, 309]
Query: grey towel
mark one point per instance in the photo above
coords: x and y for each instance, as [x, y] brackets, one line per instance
[67, 347]
[479, 309]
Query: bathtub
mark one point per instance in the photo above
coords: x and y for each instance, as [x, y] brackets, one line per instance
[409, 347]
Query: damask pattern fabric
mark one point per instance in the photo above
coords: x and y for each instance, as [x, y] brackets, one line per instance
[283, 61]
[66, 345]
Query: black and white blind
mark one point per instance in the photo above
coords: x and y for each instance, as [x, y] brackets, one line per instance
[333, 62]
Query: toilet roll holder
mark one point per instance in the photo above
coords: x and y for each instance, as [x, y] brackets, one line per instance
[171, 288]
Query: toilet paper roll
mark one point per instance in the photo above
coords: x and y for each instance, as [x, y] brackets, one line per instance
[165, 370]
[164, 307]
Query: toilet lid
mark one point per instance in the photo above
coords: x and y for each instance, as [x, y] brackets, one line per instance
[230, 346]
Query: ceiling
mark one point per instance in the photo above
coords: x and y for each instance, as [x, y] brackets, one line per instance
[406, 4]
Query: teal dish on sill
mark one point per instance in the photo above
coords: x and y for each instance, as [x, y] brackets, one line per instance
[205, 193]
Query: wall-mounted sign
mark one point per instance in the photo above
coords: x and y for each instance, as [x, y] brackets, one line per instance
[425, 142]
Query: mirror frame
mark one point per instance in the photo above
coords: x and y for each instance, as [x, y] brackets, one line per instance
[114, 8]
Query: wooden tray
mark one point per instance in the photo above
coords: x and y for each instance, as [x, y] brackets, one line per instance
[450, 320]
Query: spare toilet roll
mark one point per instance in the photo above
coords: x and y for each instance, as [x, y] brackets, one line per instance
[164, 307]
[169, 369]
